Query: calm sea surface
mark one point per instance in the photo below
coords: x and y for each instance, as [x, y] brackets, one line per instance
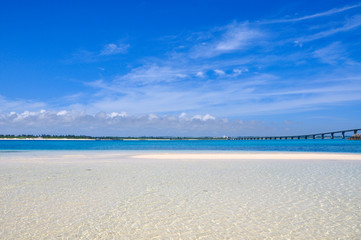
[335, 145]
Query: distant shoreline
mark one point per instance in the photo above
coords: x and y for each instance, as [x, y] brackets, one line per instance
[48, 139]
[111, 139]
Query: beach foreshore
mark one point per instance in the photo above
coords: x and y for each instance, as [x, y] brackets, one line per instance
[121, 155]
[179, 195]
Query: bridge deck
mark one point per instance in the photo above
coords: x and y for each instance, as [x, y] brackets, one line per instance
[305, 136]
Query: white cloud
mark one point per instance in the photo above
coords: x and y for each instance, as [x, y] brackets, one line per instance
[298, 44]
[219, 72]
[119, 124]
[200, 74]
[62, 113]
[115, 114]
[152, 117]
[112, 49]
[237, 72]
[183, 115]
[207, 117]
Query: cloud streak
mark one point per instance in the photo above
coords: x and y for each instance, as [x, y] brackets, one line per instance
[349, 25]
[316, 15]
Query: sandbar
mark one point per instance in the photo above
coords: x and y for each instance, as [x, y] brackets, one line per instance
[179, 195]
[252, 156]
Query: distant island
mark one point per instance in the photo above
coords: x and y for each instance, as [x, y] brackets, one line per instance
[355, 137]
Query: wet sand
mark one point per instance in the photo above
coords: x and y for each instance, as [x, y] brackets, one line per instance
[179, 195]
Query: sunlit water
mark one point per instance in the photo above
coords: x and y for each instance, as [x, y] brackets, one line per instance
[310, 145]
[143, 199]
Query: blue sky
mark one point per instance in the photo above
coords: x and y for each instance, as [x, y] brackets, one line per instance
[186, 68]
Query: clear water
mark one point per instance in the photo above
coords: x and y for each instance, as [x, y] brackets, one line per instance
[102, 195]
[335, 145]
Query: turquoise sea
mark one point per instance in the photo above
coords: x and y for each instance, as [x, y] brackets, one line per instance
[310, 145]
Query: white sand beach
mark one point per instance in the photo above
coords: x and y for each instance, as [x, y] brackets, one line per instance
[251, 156]
[179, 195]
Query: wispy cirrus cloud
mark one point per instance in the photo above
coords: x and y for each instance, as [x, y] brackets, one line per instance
[7, 105]
[251, 95]
[153, 73]
[313, 16]
[350, 24]
[109, 49]
[233, 37]
[332, 54]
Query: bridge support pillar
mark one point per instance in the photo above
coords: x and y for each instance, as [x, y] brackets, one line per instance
[354, 131]
[298, 137]
[343, 135]
[332, 137]
[322, 136]
[314, 136]
[305, 137]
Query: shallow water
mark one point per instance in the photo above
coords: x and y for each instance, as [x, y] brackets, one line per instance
[143, 199]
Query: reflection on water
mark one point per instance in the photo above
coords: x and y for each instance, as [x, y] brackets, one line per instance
[173, 200]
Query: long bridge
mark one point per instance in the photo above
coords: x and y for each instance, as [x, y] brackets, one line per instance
[325, 135]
